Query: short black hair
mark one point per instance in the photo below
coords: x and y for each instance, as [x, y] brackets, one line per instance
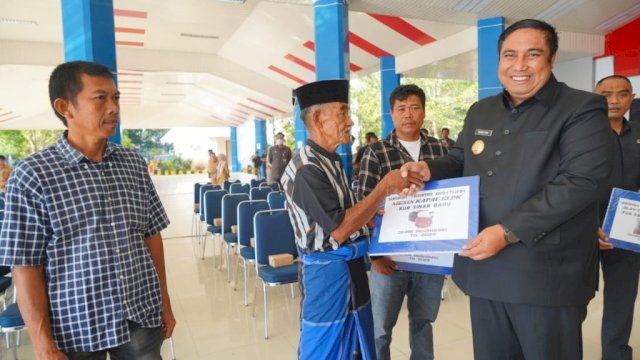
[622, 77]
[65, 81]
[443, 129]
[370, 135]
[402, 92]
[2, 157]
[550, 33]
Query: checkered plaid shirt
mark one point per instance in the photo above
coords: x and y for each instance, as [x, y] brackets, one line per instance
[86, 222]
[389, 154]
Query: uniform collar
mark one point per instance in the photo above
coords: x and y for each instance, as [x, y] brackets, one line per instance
[545, 95]
[73, 156]
[317, 148]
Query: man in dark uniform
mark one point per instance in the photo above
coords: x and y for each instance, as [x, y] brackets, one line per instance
[543, 152]
[279, 156]
[330, 229]
[620, 268]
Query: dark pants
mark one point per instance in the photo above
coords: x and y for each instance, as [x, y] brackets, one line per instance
[145, 344]
[503, 331]
[620, 269]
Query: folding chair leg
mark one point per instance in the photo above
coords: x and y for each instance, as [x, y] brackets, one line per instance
[235, 278]
[244, 270]
[292, 294]
[173, 349]
[228, 263]
[266, 317]
[255, 293]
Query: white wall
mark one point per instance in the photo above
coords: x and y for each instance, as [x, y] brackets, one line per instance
[578, 74]
[246, 143]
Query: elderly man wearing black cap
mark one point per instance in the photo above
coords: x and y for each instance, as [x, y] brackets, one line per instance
[331, 231]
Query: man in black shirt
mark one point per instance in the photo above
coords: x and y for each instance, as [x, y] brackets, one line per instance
[446, 142]
[620, 268]
[543, 153]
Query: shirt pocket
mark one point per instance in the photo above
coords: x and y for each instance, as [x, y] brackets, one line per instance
[135, 204]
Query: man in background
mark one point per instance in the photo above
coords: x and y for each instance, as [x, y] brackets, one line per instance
[278, 158]
[5, 172]
[389, 286]
[620, 267]
[446, 142]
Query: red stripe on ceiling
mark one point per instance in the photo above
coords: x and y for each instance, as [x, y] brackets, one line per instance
[354, 67]
[311, 46]
[300, 62]
[366, 45]
[129, 30]
[405, 29]
[241, 112]
[124, 73]
[129, 43]
[287, 75]
[256, 110]
[266, 105]
[130, 13]
[130, 81]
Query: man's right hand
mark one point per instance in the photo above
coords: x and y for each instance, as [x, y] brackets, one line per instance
[418, 168]
[394, 182]
[383, 265]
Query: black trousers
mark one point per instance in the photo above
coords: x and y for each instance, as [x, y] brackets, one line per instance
[620, 269]
[503, 331]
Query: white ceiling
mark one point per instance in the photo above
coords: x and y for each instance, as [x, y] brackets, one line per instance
[260, 51]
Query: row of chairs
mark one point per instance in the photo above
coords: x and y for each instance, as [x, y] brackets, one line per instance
[259, 215]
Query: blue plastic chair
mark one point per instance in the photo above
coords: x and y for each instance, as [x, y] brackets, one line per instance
[247, 253]
[256, 182]
[11, 322]
[227, 184]
[259, 193]
[273, 235]
[276, 200]
[196, 208]
[212, 204]
[200, 233]
[230, 217]
[275, 186]
[239, 188]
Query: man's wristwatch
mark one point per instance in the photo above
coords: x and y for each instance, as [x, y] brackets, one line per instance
[510, 237]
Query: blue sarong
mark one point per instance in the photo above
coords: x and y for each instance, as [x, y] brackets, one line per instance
[336, 320]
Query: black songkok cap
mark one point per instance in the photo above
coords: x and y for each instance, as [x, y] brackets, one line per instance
[322, 92]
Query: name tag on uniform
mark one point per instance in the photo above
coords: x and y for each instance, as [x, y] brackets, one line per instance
[483, 132]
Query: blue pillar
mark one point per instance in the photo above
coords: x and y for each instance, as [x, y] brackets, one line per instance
[235, 163]
[389, 80]
[89, 35]
[261, 141]
[331, 29]
[300, 134]
[489, 31]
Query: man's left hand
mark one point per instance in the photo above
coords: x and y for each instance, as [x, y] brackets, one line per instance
[489, 242]
[168, 321]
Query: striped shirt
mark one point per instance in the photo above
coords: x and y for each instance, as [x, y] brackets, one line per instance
[384, 156]
[318, 195]
[86, 222]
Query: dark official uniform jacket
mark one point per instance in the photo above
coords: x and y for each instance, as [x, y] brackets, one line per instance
[542, 167]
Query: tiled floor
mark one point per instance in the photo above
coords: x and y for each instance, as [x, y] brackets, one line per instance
[214, 324]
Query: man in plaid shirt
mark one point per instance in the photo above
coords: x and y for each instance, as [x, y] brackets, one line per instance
[406, 143]
[82, 230]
